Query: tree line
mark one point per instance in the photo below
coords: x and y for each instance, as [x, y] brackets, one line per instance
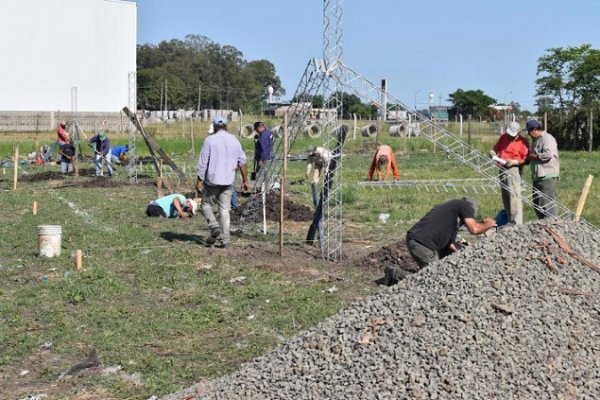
[199, 73]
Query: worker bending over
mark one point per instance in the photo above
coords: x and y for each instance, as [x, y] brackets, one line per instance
[172, 206]
[384, 158]
[318, 158]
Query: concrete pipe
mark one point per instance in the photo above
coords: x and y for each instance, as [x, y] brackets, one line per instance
[369, 130]
[248, 131]
[277, 131]
[399, 130]
[313, 131]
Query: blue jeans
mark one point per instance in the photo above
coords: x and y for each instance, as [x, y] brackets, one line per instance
[98, 162]
[219, 196]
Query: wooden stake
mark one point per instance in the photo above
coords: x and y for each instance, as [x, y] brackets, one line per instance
[16, 168]
[34, 208]
[159, 191]
[79, 260]
[583, 197]
[192, 134]
[264, 208]
[3, 171]
[282, 182]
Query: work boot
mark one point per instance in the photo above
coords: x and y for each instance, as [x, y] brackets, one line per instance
[391, 275]
[214, 235]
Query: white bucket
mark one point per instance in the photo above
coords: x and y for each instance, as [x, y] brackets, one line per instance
[49, 238]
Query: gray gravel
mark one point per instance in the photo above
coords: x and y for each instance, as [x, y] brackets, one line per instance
[494, 321]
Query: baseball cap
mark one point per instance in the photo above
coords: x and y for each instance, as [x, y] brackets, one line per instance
[219, 120]
[533, 124]
[194, 205]
[310, 148]
[257, 125]
[101, 135]
[513, 129]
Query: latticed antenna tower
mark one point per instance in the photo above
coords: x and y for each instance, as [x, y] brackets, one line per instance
[333, 41]
[320, 77]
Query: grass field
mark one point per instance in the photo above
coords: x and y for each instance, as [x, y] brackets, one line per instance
[166, 309]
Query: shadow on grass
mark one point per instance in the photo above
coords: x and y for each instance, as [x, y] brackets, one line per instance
[183, 237]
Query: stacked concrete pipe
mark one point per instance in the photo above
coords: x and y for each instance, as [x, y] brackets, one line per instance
[369, 130]
[313, 131]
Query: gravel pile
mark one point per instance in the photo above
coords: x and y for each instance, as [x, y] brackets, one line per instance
[513, 316]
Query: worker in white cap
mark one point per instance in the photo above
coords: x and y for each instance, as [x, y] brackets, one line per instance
[318, 158]
[511, 152]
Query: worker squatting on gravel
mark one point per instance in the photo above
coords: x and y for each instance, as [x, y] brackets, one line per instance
[434, 236]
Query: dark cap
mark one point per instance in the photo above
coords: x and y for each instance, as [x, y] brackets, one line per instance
[258, 124]
[533, 124]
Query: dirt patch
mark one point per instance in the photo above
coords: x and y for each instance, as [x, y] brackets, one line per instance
[396, 255]
[292, 211]
[55, 175]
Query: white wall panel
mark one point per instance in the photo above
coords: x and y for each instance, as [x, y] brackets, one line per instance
[50, 46]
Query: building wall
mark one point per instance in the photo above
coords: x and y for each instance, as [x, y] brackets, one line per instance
[51, 46]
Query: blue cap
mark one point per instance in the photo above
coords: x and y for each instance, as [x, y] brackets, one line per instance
[220, 120]
[533, 124]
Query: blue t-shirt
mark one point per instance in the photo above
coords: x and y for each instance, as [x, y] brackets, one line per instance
[117, 151]
[166, 203]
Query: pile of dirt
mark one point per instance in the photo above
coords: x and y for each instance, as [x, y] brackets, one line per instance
[396, 255]
[292, 211]
[54, 175]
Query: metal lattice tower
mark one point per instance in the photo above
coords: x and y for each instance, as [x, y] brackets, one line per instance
[132, 104]
[319, 78]
[333, 40]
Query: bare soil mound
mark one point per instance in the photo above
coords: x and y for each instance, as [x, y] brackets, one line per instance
[292, 211]
[396, 255]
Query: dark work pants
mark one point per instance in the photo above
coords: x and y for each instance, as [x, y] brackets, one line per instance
[423, 255]
[545, 204]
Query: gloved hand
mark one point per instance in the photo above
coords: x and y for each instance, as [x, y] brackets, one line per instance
[492, 154]
[511, 163]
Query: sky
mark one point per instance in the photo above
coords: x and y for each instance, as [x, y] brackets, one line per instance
[420, 47]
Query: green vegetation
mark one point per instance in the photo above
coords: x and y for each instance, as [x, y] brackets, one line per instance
[156, 302]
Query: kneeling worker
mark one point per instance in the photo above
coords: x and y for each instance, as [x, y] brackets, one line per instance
[434, 236]
[172, 206]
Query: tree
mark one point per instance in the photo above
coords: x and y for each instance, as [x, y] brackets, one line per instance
[568, 86]
[473, 102]
[198, 67]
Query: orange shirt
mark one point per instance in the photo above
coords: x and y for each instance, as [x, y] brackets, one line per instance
[509, 148]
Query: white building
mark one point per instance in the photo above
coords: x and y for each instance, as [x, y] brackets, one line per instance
[50, 47]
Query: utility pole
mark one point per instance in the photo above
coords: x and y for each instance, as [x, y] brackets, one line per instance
[199, 96]
[166, 98]
[161, 99]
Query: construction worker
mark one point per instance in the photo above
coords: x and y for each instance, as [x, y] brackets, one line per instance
[221, 155]
[67, 156]
[318, 158]
[118, 154]
[545, 169]
[513, 149]
[384, 158]
[61, 139]
[172, 206]
[434, 235]
[100, 144]
[263, 146]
